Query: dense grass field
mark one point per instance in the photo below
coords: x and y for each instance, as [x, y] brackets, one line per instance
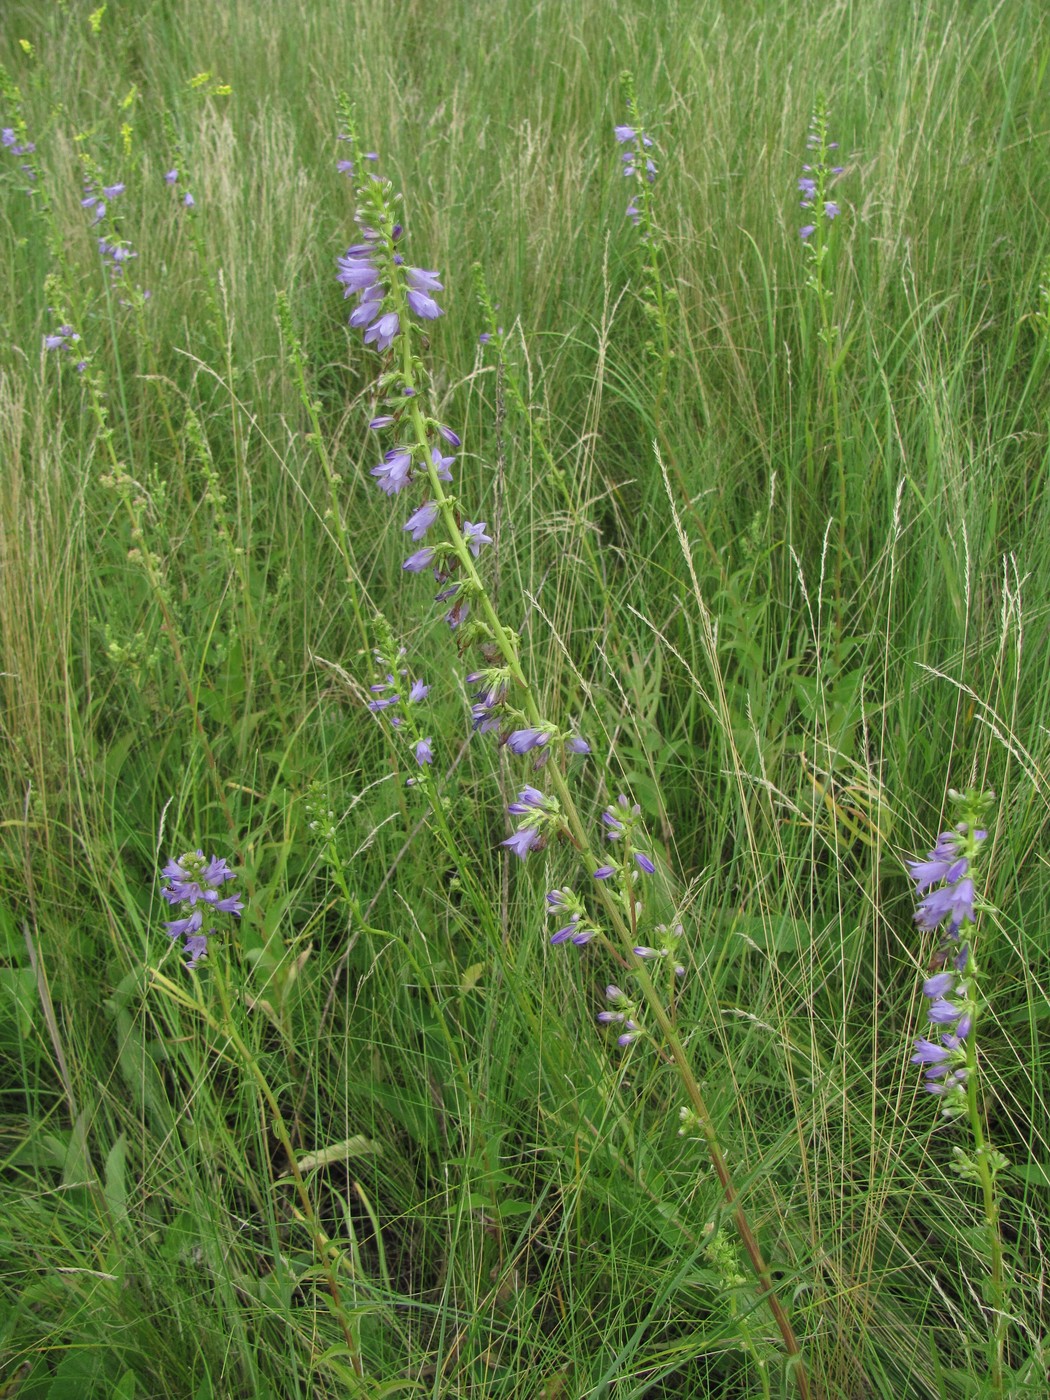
[768, 526]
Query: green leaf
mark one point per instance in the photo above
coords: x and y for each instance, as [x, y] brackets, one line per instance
[18, 997]
[114, 1186]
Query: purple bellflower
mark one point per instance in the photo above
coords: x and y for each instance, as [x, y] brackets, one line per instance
[575, 926]
[946, 880]
[947, 866]
[818, 176]
[420, 521]
[621, 1013]
[397, 696]
[541, 817]
[522, 741]
[194, 886]
[422, 559]
[636, 164]
[475, 535]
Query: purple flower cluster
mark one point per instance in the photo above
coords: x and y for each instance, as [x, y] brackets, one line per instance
[171, 178]
[572, 916]
[394, 698]
[97, 199]
[63, 339]
[536, 739]
[621, 822]
[951, 1012]
[10, 141]
[622, 1013]
[947, 866]
[666, 947]
[488, 700]
[540, 818]
[489, 712]
[818, 176]
[636, 164]
[346, 167]
[116, 253]
[950, 990]
[387, 291]
[194, 884]
[364, 271]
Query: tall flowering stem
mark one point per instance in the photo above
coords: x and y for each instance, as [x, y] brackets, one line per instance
[390, 299]
[638, 160]
[819, 212]
[193, 887]
[947, 879]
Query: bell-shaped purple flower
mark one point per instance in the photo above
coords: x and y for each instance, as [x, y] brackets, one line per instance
[521, 741]
[194, 884]
[524, 840]
[441, 465]
[383, 332]
[422, 559]
[394, 472]
[420, 521]
[475, 536]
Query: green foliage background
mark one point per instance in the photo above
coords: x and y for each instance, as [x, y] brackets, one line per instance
[788, 695]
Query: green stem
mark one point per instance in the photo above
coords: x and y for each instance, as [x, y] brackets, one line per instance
[506, 641]
[828, 336]
[983, 1161]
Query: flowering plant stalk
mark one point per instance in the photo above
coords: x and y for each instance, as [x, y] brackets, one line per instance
[820, 211]
[947, 879]
[390, 298]
[640, 169]
[194, 890]
[658, 293]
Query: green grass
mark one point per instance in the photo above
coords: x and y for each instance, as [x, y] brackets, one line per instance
[184, 659]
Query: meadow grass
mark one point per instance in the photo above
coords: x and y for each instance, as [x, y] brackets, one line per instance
[194, 557]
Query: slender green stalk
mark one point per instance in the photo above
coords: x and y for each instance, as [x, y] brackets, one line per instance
[815, 187]
[985, 1163]
[505, 640]
[947, 878]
